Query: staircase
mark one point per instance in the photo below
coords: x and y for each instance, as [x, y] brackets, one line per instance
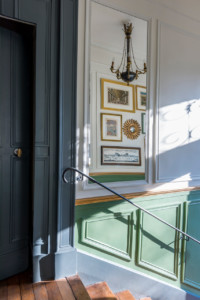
[20, 287]
[97, 291]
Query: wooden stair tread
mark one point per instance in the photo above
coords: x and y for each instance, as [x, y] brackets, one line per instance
[53, 291]
[78, 288]
[100, 291]
[124, 295]
[40, 291]
[65, 289]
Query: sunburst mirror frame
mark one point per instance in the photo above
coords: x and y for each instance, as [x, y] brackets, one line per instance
[131, 129]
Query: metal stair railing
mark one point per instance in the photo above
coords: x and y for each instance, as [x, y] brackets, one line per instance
[189, 237]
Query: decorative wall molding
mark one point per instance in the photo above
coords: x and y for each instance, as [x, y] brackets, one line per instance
[83, 151]
[43, 75]
[149, 242]
[41, 205]
[92, 200]
[19, 230]
[190, 276]
[95, 240]
[7, 8]
[67, 121]
[163, 174]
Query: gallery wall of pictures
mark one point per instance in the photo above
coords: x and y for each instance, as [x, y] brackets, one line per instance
[117, 149]
[117, 110]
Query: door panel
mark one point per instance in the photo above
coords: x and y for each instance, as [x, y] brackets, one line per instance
[15, 133]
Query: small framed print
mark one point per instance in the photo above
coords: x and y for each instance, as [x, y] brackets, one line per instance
[143, 122]
[124, 156]
[117, 96]
[141, 97]
[111, 127]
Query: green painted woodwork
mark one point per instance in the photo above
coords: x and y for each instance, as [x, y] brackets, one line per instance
[191, 261]
[118, 177]
[120, 233]
[158, 244]
[109, 241]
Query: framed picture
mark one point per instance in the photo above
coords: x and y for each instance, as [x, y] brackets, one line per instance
[117, 96]
[124, 156]
[141, 97]
[111, 127]
[143, 122]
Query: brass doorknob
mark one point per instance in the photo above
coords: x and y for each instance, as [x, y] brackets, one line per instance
[18, 152]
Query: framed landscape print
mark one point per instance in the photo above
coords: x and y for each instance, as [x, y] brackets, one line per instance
[117, 96]
[141, 97]
[111, 127]
[124, 156]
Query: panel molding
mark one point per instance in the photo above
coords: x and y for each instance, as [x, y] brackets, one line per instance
[184, 279]
[41, 203]
[150, 266]
[13, 236]
[43, 140]
[67, 119]
[104, 246]
[158, 178]
[7, 8]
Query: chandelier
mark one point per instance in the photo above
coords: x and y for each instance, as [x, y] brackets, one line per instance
[125, 70]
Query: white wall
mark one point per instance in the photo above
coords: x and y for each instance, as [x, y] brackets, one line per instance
[106, 44]
[173, 88]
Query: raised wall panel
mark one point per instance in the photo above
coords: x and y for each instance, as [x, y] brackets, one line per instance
[4, 230]
[5, 87]
[21, 106]
[111, 234]
[158, 244]
[191, 258]
[7, 8]
[178, 105]
[39, 12]
[67, 121]
[20, 198]
[41, 201]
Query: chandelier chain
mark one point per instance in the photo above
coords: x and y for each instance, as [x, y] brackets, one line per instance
[134, 57]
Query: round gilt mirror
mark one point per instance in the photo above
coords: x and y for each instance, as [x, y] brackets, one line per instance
[131, 129]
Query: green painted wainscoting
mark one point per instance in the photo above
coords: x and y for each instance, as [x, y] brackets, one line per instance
[117, 177]
[120, 233]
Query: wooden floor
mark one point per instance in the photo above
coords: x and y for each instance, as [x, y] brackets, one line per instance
[20, 288]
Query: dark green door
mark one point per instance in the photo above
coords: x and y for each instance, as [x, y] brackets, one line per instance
[16, 141]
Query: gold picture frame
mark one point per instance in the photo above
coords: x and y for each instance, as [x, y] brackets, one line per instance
[117, 96]
[141, 97]
[111, 127]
